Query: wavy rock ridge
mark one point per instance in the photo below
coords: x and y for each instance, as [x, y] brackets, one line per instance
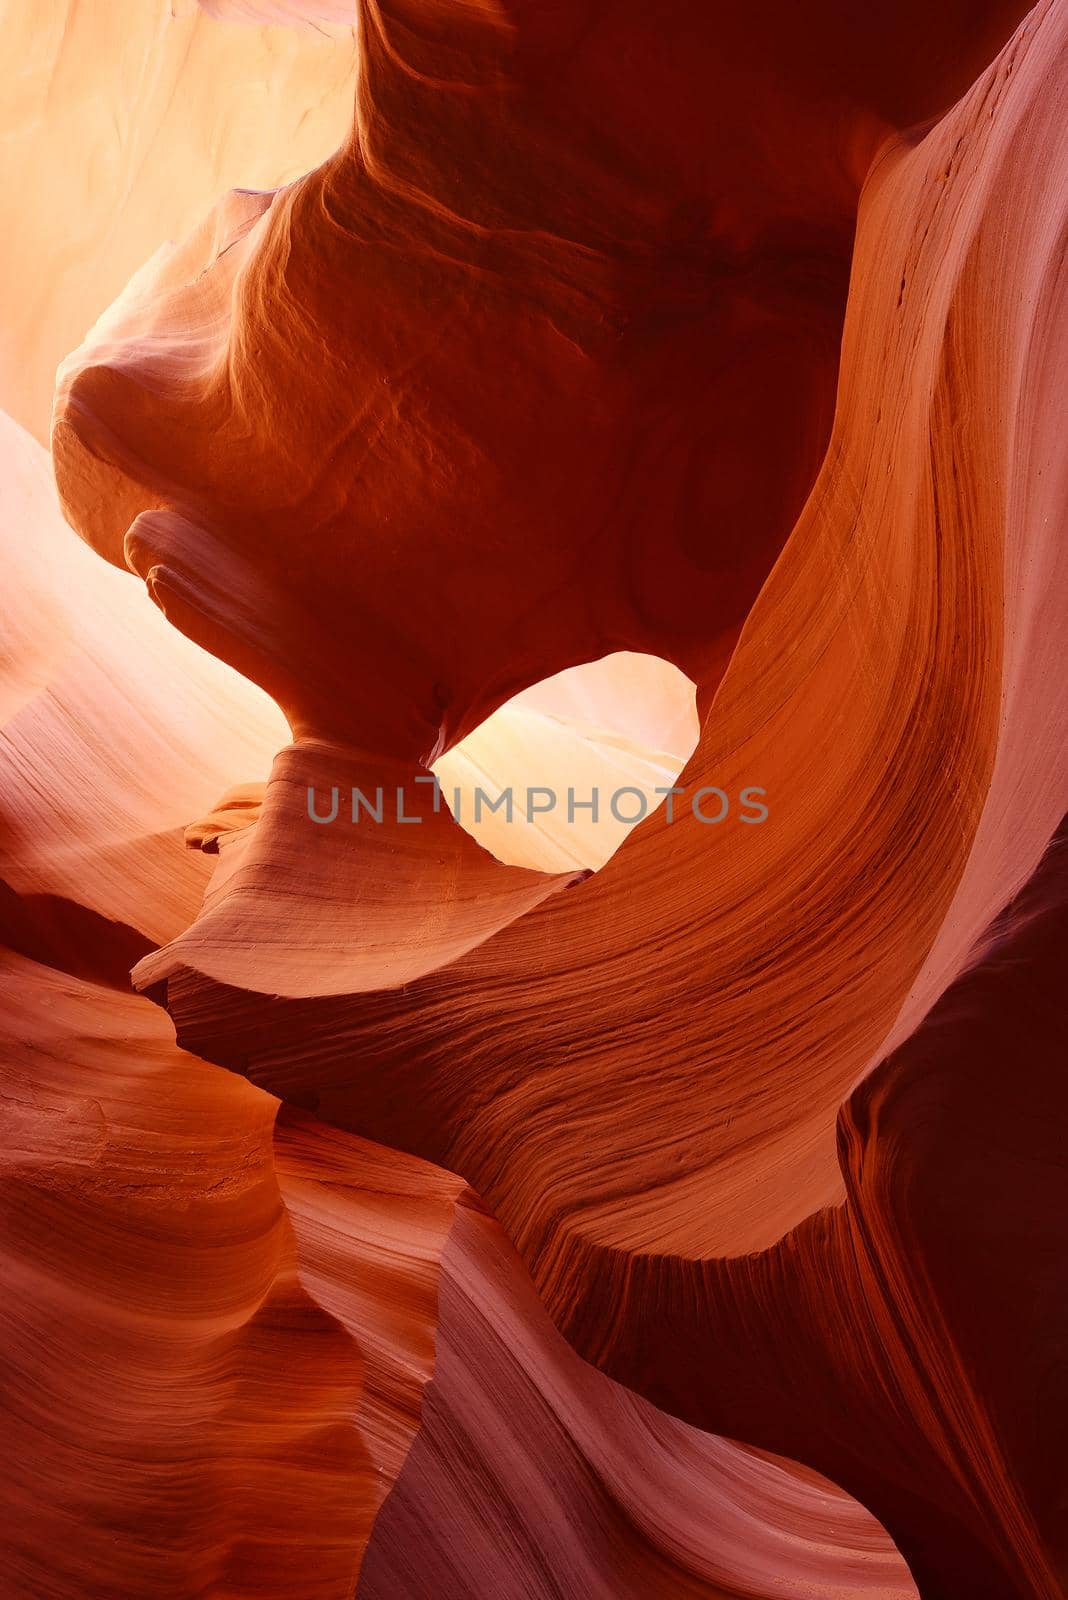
[736, 344]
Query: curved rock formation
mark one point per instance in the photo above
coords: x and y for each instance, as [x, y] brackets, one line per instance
[218, 1324]
[215, 1348]
[116, 731]
[593, 1492]
[870, 708]
[554, 358]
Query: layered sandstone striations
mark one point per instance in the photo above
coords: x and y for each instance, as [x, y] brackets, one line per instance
[734, 341]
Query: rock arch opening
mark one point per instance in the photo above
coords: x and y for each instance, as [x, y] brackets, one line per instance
[559, 775]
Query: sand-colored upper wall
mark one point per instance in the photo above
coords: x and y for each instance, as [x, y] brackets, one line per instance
[125, 122]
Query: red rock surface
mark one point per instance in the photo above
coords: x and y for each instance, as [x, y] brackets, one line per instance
[735, 340]
[219, 1322]
[595, 1493]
